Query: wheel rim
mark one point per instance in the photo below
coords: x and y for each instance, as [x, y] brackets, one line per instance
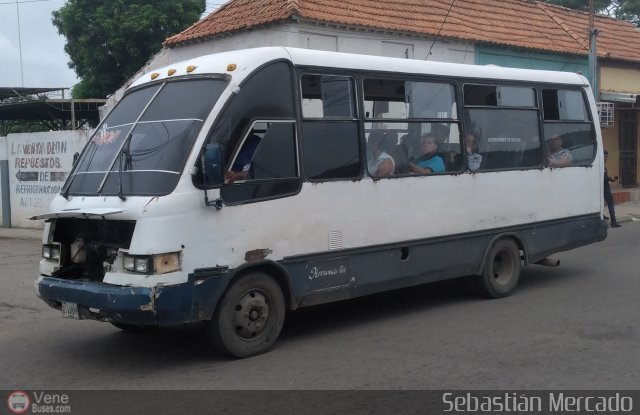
[251, 314]
[503, 268]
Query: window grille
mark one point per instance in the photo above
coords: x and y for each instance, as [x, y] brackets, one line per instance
[605, 112]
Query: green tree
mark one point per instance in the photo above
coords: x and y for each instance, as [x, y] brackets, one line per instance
[599, 6]
[620, 9]
[110, 40]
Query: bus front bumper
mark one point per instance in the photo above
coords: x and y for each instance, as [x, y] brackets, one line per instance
[143, 306]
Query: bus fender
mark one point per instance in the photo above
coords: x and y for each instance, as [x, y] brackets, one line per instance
[271, 268]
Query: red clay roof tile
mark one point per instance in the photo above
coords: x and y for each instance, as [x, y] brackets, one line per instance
[516, 23]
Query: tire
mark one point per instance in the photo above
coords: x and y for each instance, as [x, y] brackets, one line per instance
[249, 317]
[501, 270]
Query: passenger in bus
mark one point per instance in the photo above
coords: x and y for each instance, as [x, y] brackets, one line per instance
[558, 155]
[379, 162]
[242, 164]
[429, 162]
[474, 158]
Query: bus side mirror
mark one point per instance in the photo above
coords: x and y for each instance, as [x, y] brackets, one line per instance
[76, 156]
[213, 166]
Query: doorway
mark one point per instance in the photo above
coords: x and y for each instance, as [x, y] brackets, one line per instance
[628, 141]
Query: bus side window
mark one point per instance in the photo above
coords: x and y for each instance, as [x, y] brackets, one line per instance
[275, 156]
[330, 142]
[506, 120]
[567, 128]
[265, 166]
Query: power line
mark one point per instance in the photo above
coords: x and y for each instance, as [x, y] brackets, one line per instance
[439, 30]
[22, 2]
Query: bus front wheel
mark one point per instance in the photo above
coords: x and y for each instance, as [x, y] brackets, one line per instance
[249, 318]
[501, 270]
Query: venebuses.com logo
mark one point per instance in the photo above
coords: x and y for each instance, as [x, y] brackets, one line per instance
[18, 402]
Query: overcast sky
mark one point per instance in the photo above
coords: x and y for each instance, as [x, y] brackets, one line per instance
[44, 62]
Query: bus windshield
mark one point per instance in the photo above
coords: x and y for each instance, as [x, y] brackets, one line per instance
[142, 145]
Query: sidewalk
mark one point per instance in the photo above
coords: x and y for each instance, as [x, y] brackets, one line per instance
[625, 212]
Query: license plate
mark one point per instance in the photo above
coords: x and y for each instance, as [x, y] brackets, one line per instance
[70, 310]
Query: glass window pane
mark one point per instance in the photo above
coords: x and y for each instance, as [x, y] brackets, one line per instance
[564, 105]
[328, 97]
[129, 108]
[162, 145]
[506, 138]
[402, 142]
[330, 150]
[268, 152]
[399, 99]
[499, 96]
[513, 96]
[192, 99]
[102, 148]
[571, 143]
[481, 95]
[256, 100]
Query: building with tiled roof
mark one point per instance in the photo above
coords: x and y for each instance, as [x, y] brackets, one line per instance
[515, 33]
[516, 23]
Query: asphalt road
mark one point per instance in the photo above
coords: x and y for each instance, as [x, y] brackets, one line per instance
[571, 327]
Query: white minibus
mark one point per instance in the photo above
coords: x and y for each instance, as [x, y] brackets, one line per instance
[233, 187]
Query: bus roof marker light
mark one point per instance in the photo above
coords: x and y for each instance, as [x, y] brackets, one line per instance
[231, 67]
[191, 68]
[171, 72]
[154, 75]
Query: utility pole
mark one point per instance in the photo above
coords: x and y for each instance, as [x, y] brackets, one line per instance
[20, 43]
[593, 54]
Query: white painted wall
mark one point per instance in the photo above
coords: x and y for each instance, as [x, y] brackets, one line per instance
[3, 156]
[38, 166]
[310, 36]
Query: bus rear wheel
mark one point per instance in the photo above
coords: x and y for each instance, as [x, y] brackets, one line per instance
[501, 270]
[249, 318]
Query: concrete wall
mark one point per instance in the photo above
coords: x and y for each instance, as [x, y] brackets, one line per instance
[530, 60]
[310, 36]
[619, 79]
[5, 219]
[38, 166]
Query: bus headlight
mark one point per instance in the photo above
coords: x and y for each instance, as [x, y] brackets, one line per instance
[141, 264]
[155, 264]
[52, 252]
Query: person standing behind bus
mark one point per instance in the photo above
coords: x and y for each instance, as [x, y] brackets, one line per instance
[608, 197]
[429, 162]
[558, 155]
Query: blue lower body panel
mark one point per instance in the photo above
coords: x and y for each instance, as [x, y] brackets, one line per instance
[145, 306]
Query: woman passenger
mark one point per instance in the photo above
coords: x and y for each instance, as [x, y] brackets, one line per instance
[429, 162]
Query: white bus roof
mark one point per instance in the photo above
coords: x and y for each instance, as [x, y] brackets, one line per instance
[247, 60]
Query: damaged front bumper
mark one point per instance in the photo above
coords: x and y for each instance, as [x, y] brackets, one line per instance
[144, 306]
